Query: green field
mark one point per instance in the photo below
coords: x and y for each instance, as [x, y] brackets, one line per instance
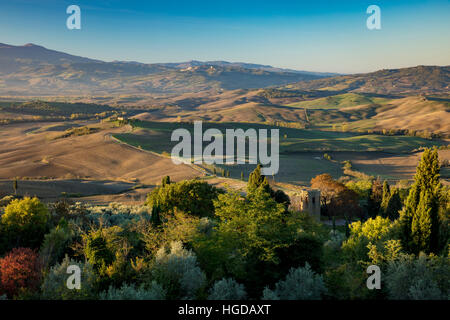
[359, 143]
[155, 136]
[297, 168]
[339, 101]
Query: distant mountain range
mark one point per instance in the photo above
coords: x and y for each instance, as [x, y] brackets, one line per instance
[194, 63]
[15, 58]
[35, 70]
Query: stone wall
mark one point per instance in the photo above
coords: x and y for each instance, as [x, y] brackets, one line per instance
[306, 200]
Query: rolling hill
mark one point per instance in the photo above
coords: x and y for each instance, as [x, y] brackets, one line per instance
[415, 98]
[354, 110]
[406, 81]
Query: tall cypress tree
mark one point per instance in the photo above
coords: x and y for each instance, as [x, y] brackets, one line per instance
[406, 215]
[394, 205]
[421, 223]
[374, 199]
[15, 187]
[156, 215]
[419, 218]
[257, 180]
[385, 198]
[165, 181]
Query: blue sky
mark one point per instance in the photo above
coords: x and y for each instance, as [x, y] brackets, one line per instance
[315, 35]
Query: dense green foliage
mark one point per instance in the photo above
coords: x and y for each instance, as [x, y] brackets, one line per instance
[192, 197]
[193, 241]
[24, 223]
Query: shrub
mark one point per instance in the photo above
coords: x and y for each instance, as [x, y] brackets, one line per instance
[55, 244]
[332, 249]
[383, 252]
[206, 226]
[97, 252]
[177, 227]
[190, 196]
[79, 132]
[178, 272]
[19, 270]
[361, 234]
[335, 241]
[422, 278]
[60, 209]
[115, 214]
[307, 247]
[361, 187]
[22, 213]
[130, 292]
[6, 200]
[54, 286]
[347, 164]
[300, 284]
[346, 281]
[227, 289]
[25, 222]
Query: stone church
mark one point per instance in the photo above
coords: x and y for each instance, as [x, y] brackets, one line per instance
[306, 200]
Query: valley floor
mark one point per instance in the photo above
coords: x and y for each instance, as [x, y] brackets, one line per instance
[99, 169]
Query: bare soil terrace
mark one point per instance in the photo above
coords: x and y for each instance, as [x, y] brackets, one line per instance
[84, 165]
